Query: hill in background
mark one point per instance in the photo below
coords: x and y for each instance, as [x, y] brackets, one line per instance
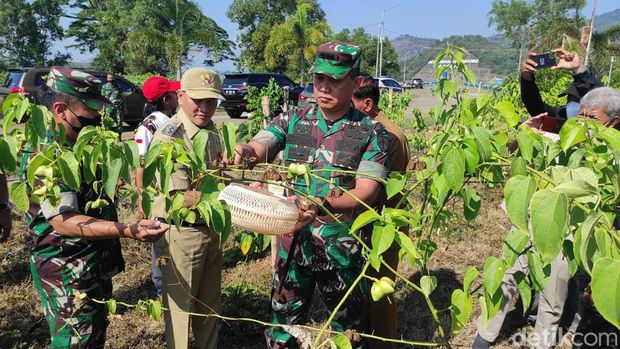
[606, 20]
[496, 56]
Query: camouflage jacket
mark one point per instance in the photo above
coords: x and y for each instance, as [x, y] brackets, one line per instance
[338, 152]
[71, 262]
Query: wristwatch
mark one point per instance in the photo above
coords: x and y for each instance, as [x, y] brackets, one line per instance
[5, 206]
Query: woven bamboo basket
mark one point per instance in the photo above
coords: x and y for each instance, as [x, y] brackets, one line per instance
[259, 211]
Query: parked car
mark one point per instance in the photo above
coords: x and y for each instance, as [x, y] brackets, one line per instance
[235, 88]
[385, 83]
[306, 97]
[417, 83]
[29, 80]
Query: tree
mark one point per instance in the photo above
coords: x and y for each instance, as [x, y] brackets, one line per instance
[292, 44]
[605, 45]
[140, 36]
[538, 21]
[28, 30]
[368, 43]
[256, 18]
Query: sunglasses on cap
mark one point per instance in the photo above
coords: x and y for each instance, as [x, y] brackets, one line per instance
[339, 58]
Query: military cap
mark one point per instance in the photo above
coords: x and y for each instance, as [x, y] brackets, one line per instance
[85, 87]
[200, 83]
[336, 59]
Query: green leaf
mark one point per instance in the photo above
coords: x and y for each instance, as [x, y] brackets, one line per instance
[199, 145]
[147, 202]
[132, 154]
[514, 245]
[246, 243]
[525, 290]
[584, 246]
[84, 138]
[462, 305]
[606, 289]
[111, 303]
[468, 278]
[36, 162]
[428, 284]
[549, 212]
[37, 117]
[576, 188]
[407, 245]
[453, 166]
[19, 196]
[472, 158]
[469, 74]
[526, 145]
[483, 143]
[572, 132]
[340, 341]
[7, 160]
[517, 193]
[483, 310]
[154, 309]
[507, 110]
[494, 270]
[204, 209]
[110, 176]
[471, 203]
[396, 183]
[518, 167]
[382, 237]
[364, 219]
[70, 170]
[229, 137]
[538, 271]
[494, 302]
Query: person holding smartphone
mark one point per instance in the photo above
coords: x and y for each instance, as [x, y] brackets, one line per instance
[583, 82]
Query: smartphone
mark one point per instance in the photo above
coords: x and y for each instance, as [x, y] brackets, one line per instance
[552, 124]
[545, 60]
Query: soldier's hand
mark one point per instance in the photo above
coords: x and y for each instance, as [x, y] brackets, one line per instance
[244, 155]
[307, 213]
[145, 230]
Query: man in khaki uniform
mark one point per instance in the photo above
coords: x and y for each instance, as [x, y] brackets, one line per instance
[192, 274]
[383, 314]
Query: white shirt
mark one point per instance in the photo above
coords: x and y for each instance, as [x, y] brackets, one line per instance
[144, 133]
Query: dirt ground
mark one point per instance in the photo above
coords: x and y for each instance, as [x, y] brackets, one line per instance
[246, 284]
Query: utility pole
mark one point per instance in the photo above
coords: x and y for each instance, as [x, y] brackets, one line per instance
[590, 34]
[611, 65]
[379, 71]
[405, 67]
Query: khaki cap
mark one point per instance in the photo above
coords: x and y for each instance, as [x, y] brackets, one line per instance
[201, 83]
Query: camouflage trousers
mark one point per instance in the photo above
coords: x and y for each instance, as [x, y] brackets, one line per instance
[72, 327]
[292, 305]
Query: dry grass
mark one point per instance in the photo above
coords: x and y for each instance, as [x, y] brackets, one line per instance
[246, 289]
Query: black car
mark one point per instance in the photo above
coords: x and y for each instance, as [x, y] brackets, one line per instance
[28, 81]
[235, 88]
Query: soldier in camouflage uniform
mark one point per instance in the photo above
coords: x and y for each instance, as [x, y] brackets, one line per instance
[351, 149]
[73, 252]
[114, 109]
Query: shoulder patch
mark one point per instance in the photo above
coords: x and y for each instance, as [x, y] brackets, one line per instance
[169, 130]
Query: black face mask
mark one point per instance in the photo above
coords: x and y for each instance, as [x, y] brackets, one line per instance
[84, 121]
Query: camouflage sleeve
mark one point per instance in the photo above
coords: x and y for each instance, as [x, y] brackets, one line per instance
[273, 137]
[374, 159]
[68, 203]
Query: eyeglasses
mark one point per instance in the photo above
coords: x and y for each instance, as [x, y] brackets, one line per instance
[84, 121]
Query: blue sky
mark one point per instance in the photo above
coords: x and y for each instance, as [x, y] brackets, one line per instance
[432, 19]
